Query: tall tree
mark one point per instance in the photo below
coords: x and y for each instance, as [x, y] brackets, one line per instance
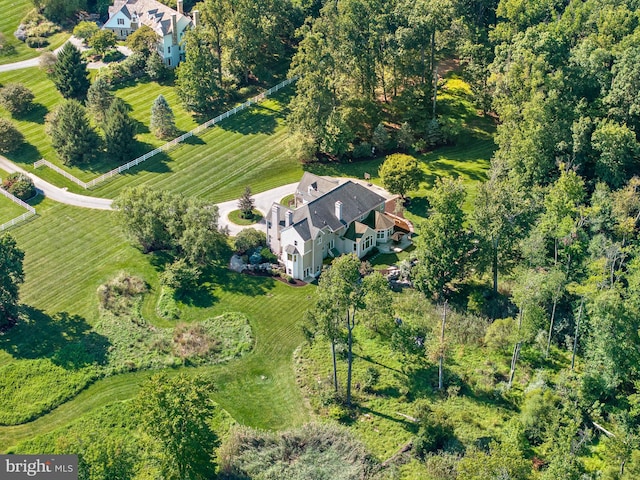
[163, 123]
[99, 99]
[70, 73]
[175, 412]
[443, 243]
[119, 131]
[197, 82]
[71, 133]
[11, 277]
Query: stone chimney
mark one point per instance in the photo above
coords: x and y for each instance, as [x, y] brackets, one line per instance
[339, 210]
[289, 217]
[196, 18]
[174, 29]
[180, 8]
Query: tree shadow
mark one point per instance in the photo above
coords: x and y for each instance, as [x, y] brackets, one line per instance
[194, 140]
[258, 119]
[249, 285]
[26, 154]
[36, 114]
[66, 339]
[418, 206]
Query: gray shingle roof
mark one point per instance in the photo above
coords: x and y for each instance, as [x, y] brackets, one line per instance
[151, 13]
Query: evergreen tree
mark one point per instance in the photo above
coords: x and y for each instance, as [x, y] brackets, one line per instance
[163, 124]
[119, 131]
[71, 134]
[246, 203]
[155, 67]
[99, 99]
[70, 73]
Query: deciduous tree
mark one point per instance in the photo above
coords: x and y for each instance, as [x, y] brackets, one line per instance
[10, 136]
[16, 98]
[175, 412]
[400, 173]
[11, 277]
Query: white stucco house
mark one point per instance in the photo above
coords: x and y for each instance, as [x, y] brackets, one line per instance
[330, 218]
[126, 16]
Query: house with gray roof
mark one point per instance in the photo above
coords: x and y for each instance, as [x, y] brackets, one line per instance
[126, 16]
[330, 218]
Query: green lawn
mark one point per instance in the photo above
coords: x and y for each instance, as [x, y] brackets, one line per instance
[246, 149]
[69, 253]
[9, 210]
[13, 11]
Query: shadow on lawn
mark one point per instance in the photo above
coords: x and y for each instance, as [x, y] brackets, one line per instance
[249, 285]
[36, 114]
[67, 340]
[258, 120]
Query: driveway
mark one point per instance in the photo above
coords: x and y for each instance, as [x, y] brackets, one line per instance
[56, 193]
[35, 62]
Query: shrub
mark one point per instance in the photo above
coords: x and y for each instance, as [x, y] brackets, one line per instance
[249, 239]
[193, 341]
[268, 256]
[37, 42]
[362, 150]
[500, 334]
[10, 137]
[122, 293]
[19, 185]
[16, 98]
[435, 432]
[371, 379]
[180, 275]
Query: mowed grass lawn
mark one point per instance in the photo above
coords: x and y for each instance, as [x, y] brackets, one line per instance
[9, 210]
[69, 252]
[13, 11]
[246, 149]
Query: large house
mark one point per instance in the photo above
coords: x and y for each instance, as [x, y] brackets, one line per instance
[126, 16]
[330, 218]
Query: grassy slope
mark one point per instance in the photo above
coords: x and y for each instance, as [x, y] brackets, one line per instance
[247, 149]
[66, 244]
[13, 11]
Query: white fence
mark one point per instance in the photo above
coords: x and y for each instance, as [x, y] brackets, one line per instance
[169, 145]
[30, 211]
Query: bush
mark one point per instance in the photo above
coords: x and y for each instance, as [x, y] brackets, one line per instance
[193, 341]
[10, 137]
[16, 98]
[436, 431]
[19, 185]
[249, 239]
[122, 293]
[268, 256]
[180, 275]
[37, 42]
[500, 334]
[362, 150]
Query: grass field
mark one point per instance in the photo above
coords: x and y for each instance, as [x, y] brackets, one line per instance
[13, 11]
[66, 244]
[9, 210]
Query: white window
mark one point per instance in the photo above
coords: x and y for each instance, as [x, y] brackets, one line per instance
[121, 21]
[295, 242]
[355, 247]
[289, 257]
[319, 240]
[169, 61]
[380, 234]
[168, 50]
